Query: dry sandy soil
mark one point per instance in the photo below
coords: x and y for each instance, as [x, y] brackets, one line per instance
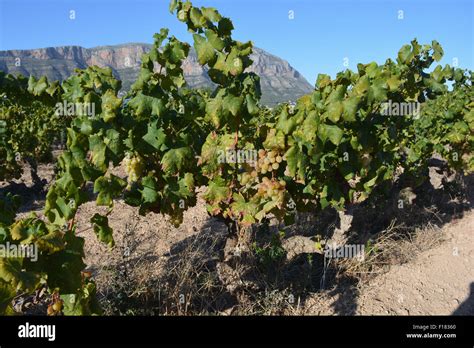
[439, 280]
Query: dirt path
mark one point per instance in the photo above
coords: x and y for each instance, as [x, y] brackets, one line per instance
[439, 281]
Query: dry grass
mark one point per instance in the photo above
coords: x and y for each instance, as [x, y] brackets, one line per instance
[397, 244]
[185, 283]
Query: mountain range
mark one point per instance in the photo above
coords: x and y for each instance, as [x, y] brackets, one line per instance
[280, 82]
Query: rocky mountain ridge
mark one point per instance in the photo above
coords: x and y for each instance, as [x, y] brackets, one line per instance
[280, 82]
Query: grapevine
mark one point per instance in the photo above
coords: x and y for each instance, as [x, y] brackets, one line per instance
[331, 150]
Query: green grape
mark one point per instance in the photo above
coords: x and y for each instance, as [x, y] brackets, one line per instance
[134, 167]
[245, 178]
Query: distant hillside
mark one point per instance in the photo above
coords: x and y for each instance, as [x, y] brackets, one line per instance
[279, 81]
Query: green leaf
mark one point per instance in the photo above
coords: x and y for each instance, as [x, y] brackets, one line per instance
[67, 210]
[458, 133]
[214, 40]
[355, 143]
[437, 50]
[176, 159]
[149, 191]
[322, 81]
[155, 136]
[285, 124]
[296, 162]
[178, 51]
[186, 186]
[214, 111]
[103, 230]
[26, 229]
[204, 49]
[7, 293]
[145, 105]
[82, 302]
[234, 64]
[334, 111]
[37, 87]
[361, 86]
[110, 105]
[310, 126]
[331, 132]
[196, 17]
[405, 55]
[11, 271]
[434, 85]
[243, 210]
[64, 268]
[350, 106]
[393, 83]
[211, 14]
[114, 143]
[225, 27]
[98, 149]
[86, 126]
[232, 103]
[252, 107]
[372, 70]
[377, 91]
[51, 243]
[108, 188]
[173, 5]
[274, 140]
[72, 89]
[217, 192]
[370, 183]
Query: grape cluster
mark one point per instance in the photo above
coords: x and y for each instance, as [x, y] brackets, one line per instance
[272, 188]
[248, 177]
[134, 166]
[269, 161]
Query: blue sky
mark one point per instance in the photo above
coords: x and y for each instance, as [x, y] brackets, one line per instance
[317, 40]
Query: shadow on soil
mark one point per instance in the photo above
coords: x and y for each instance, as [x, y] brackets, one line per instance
[467, 307]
